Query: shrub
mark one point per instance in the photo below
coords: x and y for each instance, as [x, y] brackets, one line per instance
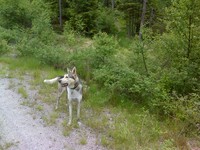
[51, 55]
[104, 48]
[106, 21]
[11, 36]
[41, 22]
[14, 13]
[69, 34]
[4, 48]
[185, 109]
[27, 46]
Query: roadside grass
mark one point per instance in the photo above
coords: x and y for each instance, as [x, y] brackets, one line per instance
[68, 129]
[83, 140]
[7, 146]
[22, 92]
[3, 70]
[39, 108]
[119, 123]
[124, 125]
[51, 119]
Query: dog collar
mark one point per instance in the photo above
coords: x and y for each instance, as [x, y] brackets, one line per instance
[75, 85]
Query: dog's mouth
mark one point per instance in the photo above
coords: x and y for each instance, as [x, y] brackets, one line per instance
[64, 84]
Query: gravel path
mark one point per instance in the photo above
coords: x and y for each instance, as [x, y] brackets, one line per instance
[17, 126]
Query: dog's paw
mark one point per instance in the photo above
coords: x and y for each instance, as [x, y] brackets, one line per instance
[45, 81]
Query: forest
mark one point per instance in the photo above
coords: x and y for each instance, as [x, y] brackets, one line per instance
[141, 52]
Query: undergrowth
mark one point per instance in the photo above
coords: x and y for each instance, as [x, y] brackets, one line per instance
[119, 123]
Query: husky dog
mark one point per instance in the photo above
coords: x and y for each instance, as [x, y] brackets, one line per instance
[72, 84]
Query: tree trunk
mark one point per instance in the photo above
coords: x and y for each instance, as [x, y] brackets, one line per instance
[60, 12]
[151, 17]
[189, 37]
[140, 34]
[113, 4]
[142, 18]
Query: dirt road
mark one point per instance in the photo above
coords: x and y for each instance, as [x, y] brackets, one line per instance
[19, 130]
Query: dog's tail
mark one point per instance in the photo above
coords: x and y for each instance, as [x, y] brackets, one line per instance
[51, 81]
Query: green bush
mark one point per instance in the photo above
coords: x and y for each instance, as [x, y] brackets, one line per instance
[15, 13]
[69, 34]
[12, 36]
[104, 48]
[185, 109]
[4, 48]
[106, 21]
[54, 56]
[41, 22]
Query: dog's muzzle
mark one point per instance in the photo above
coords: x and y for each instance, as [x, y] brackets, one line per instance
[63, 84]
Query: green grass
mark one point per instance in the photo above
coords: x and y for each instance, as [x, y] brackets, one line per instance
[39, 108]
[7, 146]
[123, 124]
[83, 140]
[66, 129]
[119, 123]
[51, 119]
[22, 91]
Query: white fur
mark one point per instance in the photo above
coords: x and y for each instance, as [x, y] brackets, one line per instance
[51, 81]
[72, 94]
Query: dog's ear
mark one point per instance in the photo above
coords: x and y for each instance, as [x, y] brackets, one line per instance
[74, 70]
[68, 70]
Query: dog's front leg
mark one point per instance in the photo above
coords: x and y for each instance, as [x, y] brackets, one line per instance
[78, 110]
[70, 112]
[60, 92]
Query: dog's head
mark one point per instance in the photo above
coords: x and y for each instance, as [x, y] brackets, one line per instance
[70, 79]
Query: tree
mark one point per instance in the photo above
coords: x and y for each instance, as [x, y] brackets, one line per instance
[131, 12]
[179, 47]
[15, 13]
[83, 15]
[60, 12]
[140, 34]
[142, 18]
[183, 20]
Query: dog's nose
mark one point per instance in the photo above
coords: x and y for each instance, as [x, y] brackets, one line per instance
[59, 81]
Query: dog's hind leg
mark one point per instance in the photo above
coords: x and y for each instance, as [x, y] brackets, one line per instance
[60, 92]
[70, 112]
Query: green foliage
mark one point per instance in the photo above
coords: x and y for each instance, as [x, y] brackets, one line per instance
[131, 15]
[23, 92]
[41, 24]
[10, 35]
[69, 34]
[106, 21]
[104, 48]
[83, 16]
[183, 108]
[4, 48]
[15, 13]
[46, 54]
[171, 87]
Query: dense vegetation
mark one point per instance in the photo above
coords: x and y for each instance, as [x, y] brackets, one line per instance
[159, 70]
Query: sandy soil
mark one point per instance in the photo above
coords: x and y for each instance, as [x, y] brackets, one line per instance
[24, 128]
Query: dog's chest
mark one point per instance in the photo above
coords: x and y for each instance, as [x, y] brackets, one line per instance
[74, 94]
